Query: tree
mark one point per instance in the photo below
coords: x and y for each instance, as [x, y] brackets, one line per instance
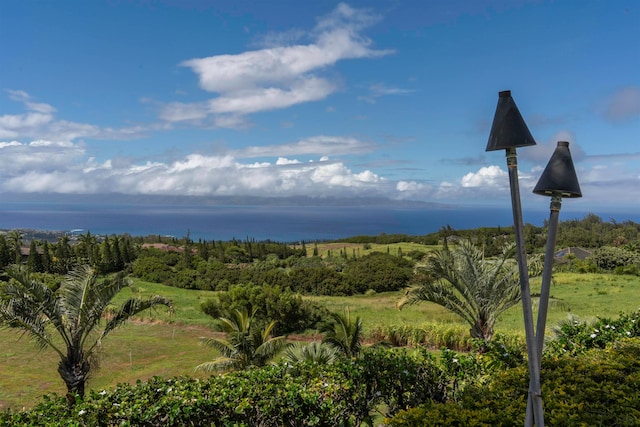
[344, 333]
[75, 312]
[243, 346]
[14, 239]
[460, 279]
[34, 262]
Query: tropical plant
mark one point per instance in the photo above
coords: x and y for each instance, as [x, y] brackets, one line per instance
[244, 346]
[344, 333]
[463, 281]
[313, 352]
[74, 311]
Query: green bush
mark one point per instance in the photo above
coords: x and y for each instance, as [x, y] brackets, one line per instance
[288, 309]
[377, 271]
[609, 258]
[152, 269]
[601, 387]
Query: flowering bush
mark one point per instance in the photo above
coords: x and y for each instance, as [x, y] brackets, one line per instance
[575, 336]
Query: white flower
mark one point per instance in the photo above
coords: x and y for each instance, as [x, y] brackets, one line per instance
[629, 333]
[593, 335]
[169, 390]
[596, 331]
[613, 327]
[454, 360]
[103, 392]
[82, 412]
[117, 405]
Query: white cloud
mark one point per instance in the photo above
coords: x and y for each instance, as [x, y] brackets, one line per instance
[281, 75]
[24, 97]
[489, 176]
[59, 167]
[40, 123]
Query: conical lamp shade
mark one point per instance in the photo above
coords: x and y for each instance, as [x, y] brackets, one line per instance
[509, 129]
[559, 177]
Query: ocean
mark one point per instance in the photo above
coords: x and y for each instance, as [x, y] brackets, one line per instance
[277, 223]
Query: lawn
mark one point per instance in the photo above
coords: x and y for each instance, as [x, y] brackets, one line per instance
[165, 344]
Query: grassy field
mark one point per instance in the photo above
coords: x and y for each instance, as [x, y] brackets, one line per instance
[162, 344]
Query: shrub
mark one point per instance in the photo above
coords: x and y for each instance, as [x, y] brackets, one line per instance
[610, 257]
[378, 271]
[152, 269]
[601, 387]
[574, 336]
[289, 310]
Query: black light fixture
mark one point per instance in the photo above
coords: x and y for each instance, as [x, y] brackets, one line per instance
[509, 129]
[508, 132]
[559, 177]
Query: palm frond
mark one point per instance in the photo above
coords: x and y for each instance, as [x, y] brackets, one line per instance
[218, 364]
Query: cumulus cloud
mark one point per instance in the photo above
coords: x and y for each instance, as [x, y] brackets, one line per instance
[280, 75]
[623, 104]
[489, 176]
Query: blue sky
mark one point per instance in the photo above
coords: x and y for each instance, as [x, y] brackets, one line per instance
[283, 98]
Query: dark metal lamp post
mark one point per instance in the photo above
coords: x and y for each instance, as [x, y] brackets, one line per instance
[508, 132]
[557, 181]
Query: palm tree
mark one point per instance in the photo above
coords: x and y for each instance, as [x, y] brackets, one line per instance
[243, 346]
[344, 333]
[461, 280]
[14, 239]
[75, 312]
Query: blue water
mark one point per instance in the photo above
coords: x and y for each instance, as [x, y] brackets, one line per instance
[277, 223]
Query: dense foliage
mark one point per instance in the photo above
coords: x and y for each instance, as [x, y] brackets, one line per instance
[348, 392]
[268, 303]
[600, 388]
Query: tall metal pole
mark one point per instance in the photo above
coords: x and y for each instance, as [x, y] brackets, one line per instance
[545, 292]
[558, 180]
[534, 396]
